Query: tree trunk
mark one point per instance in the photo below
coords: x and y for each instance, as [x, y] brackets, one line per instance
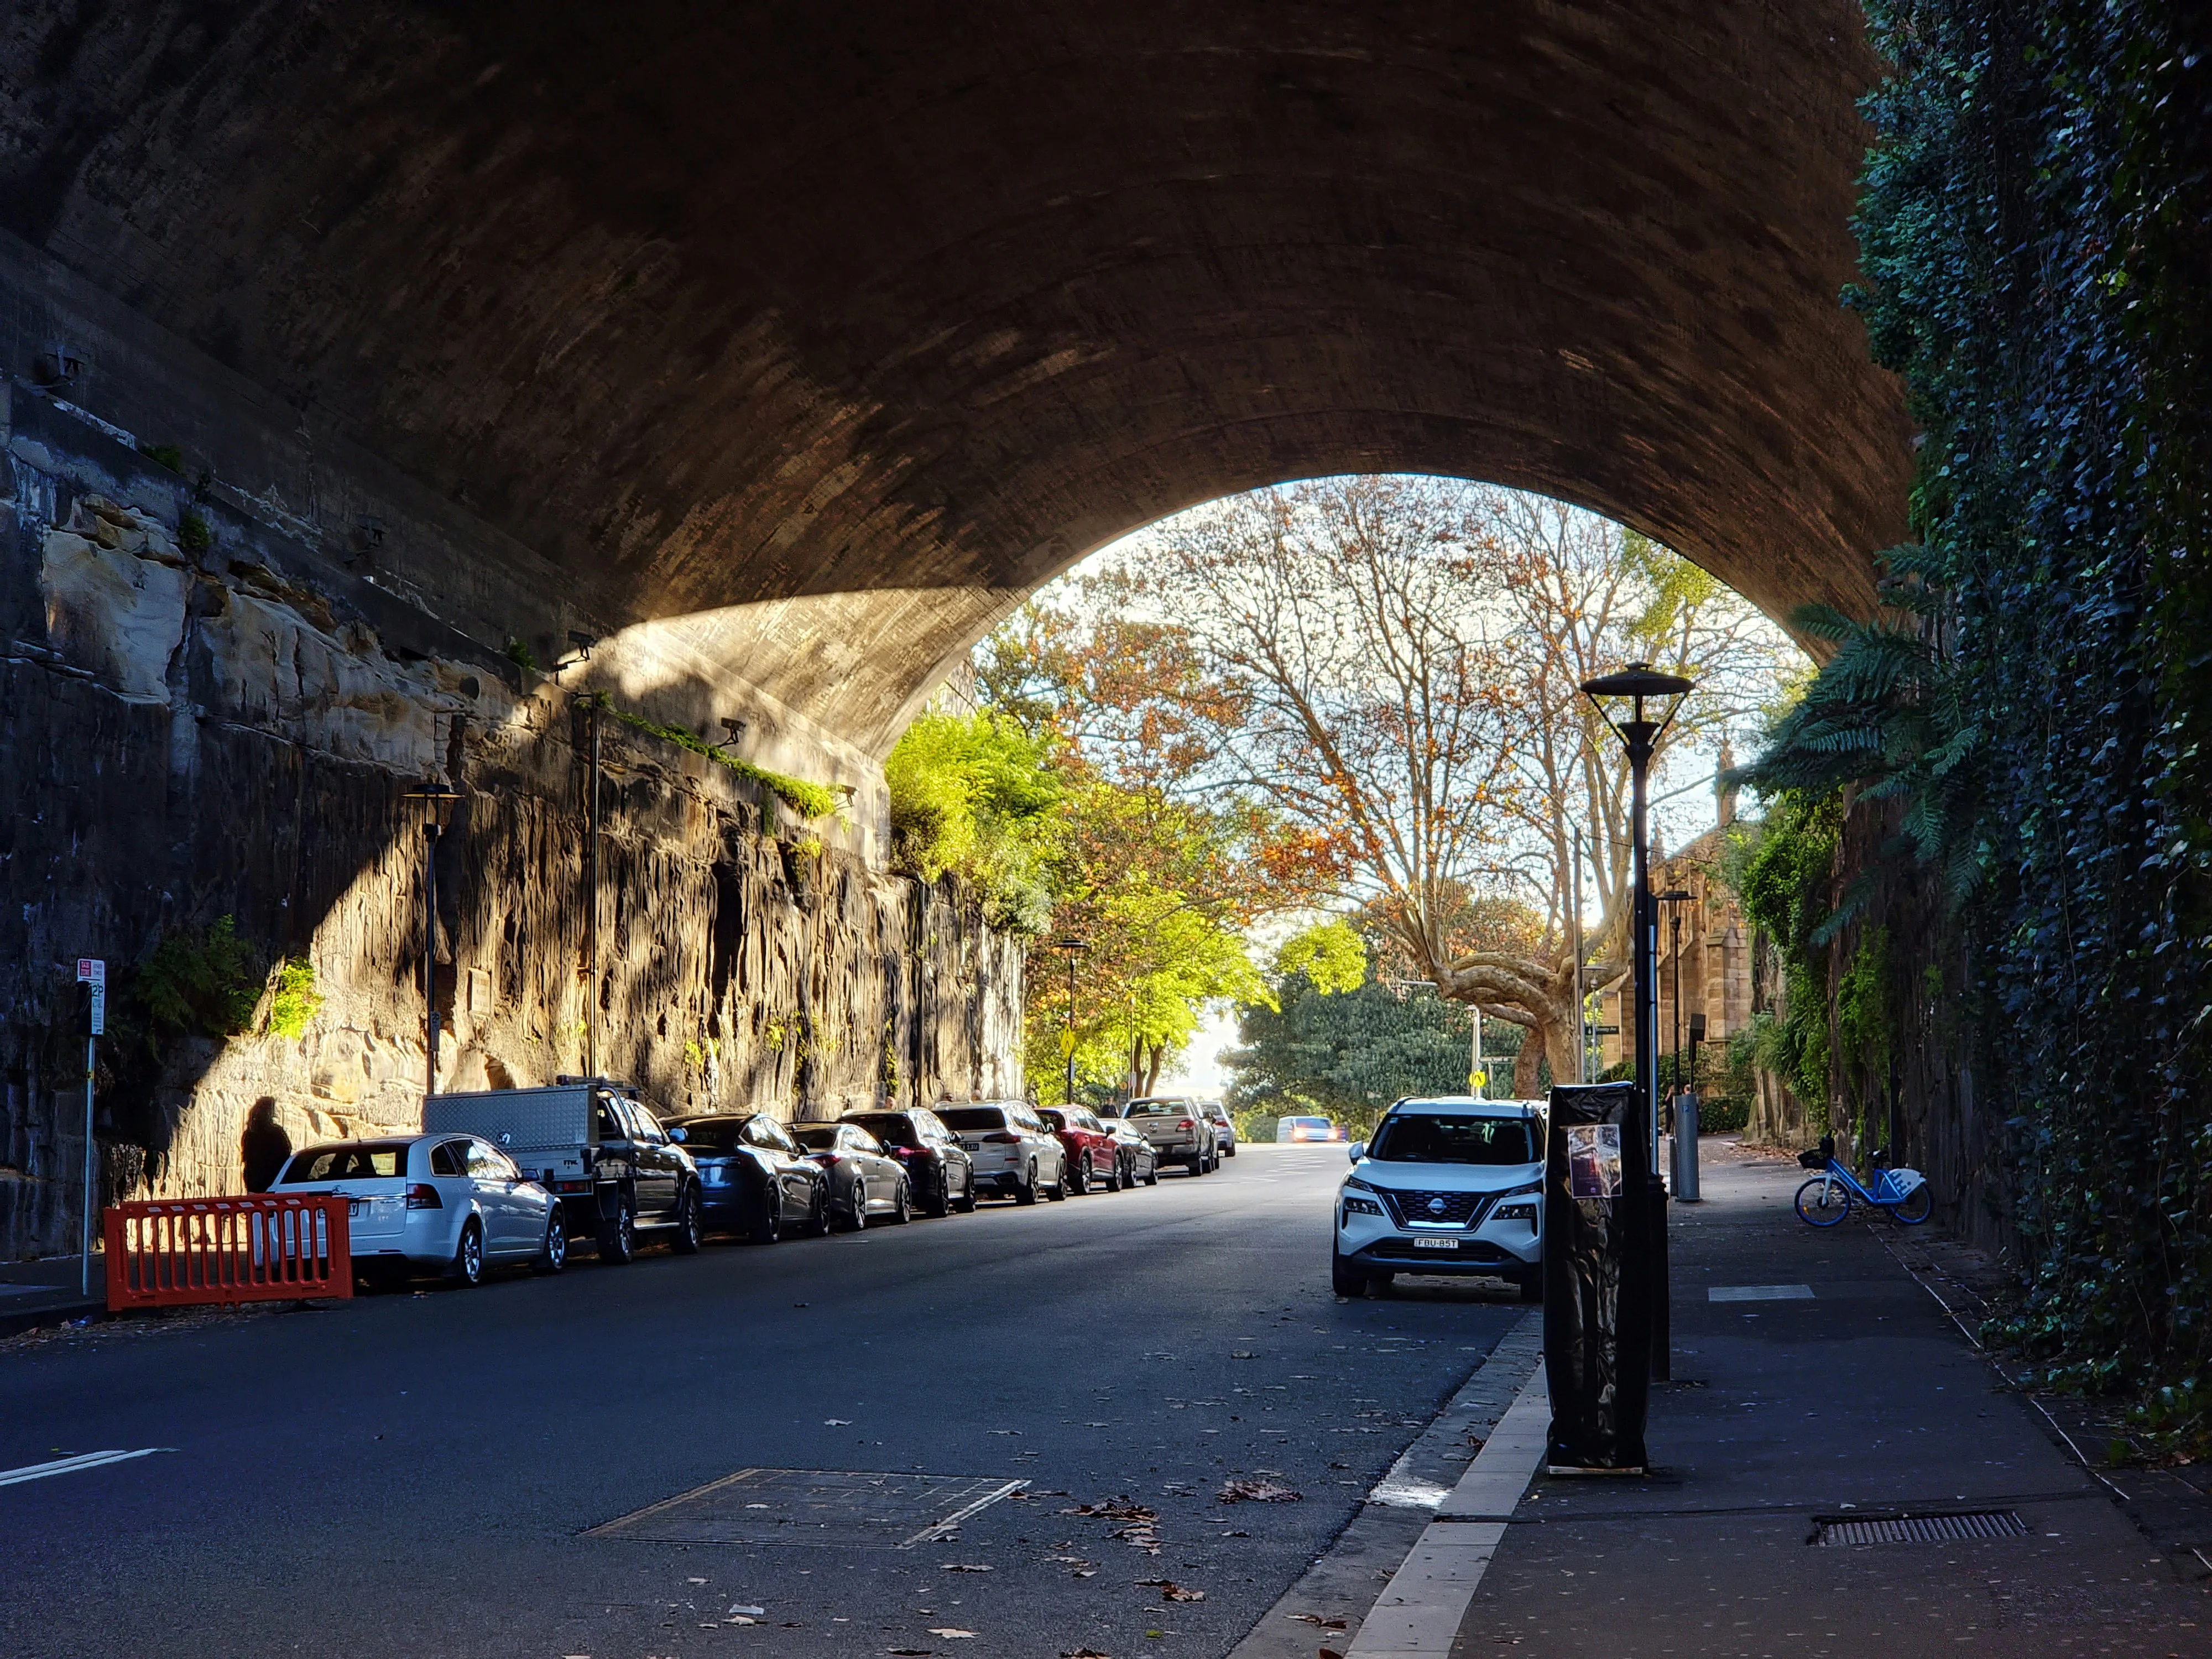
[1526, 1083]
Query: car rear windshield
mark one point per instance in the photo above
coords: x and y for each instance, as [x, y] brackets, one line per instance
[973, 1117]
[711, 1134]
[358, 1163]
[1427, 1137]
[1158, 1109]
[820, 1137]
[892, 1129]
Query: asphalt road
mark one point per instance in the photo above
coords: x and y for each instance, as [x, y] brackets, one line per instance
[420, 1474]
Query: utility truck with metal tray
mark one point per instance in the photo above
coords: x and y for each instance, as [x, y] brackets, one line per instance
[593, 1145]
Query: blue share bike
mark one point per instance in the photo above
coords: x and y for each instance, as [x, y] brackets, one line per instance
[1826, 1199]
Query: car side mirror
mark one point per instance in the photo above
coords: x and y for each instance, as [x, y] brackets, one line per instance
[1357, 1150]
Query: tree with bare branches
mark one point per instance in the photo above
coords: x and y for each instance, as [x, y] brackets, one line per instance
[1393, 663]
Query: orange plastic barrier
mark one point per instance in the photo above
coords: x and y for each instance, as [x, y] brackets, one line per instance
[181, 1252]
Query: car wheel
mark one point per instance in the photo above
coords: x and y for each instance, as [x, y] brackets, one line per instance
[618, 1238]
[468, 1255]
[1230, 1151]
[1152, 1174]
[1111, 1180]
[768, 1220]
[902, 1205]
[817, 1217]
[1025, 1190]
[940, 1193]
[856, 1217]
[967, 1204]
[687, 1226]
[553, 1253]
[1343, 1278]
[1194, 1166]
[1058, 1190]
[1079, 1182]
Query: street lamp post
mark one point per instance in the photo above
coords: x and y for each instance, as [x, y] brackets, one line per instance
[437, 799]
[1074, 947]
[1640, 683]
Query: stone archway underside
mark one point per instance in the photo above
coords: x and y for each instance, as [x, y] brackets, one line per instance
[852, 324]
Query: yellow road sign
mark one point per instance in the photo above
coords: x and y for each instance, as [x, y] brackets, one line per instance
[1477, 1080]
[1066, 1044]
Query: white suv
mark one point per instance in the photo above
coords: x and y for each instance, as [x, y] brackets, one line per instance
[1453, 1186]
[1015, 1152]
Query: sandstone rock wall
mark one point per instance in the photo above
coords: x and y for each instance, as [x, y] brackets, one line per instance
[205, 720]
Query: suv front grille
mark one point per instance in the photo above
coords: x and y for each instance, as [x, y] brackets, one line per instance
[1414, 1207]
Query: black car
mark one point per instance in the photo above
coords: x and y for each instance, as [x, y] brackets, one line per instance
[754, 1178]
[938, 1167]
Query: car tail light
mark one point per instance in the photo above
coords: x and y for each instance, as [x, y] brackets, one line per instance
[1185, 1124]
[423, 1196]
[1002, 1138]
[572, 1186]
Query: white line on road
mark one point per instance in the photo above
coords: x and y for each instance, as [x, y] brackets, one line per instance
[1759, 1293]
[71, 1465]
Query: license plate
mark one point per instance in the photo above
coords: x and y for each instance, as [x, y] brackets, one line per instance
[353, 1210]
[1435, 1244]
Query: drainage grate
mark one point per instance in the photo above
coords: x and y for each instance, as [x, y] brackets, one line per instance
[833, 1508]
[1916, 1528]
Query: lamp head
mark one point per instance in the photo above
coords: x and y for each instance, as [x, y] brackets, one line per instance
[438, 797]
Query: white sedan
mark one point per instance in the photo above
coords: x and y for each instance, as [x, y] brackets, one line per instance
[446, 1201]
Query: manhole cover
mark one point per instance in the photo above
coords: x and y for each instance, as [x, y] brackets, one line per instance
[835, 1508]
[1917, 1528]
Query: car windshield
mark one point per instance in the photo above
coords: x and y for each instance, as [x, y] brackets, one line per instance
[972, 1117]
[1158, 1109]
[1434, 1137]
[1307, 1123]
[710, 1134]
[357, 1163]
[816, 1137]
[892, 1129]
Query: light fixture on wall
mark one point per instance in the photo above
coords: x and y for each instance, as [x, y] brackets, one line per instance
[734, 731]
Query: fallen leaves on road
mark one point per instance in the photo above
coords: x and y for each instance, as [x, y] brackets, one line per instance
[1171, 1591]
[952, 1635]
[1115, 1509]
[738, 1608]
[1258, 1491]
[1083, 1653]
[965, 1566]
[908, 1653]
[836, 1422]
[1320, 1621]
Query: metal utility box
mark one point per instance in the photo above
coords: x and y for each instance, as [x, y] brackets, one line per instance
[547, 1132]
[1598, 1278]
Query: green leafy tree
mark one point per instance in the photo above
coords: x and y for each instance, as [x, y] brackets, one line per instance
[975, 798]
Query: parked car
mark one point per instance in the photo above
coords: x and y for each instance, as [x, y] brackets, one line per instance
[864, 1179]
[753, 1178]
[1016, 1156]
[1092, 1155]
[1140, 1160]
[1451, 1186]
[938, 1167]
[1293, 1130]
[450, 1202]
[1225, 1126]
[592, 1142]
[1178, 1129]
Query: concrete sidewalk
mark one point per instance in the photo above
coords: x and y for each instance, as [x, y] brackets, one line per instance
[1862, 1399]
[36, 1293]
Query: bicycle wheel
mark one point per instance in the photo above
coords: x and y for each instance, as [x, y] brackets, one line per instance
[1823, 1201]
[1914, 1207]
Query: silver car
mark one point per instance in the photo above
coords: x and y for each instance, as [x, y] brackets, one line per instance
[450, 1202]
[1016, 1153]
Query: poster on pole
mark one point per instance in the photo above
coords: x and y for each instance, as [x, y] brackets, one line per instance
[92, 971]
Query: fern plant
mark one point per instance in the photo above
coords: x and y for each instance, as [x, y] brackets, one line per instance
[1888, 712]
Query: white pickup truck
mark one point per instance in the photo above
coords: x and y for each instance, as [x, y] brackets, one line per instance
[1179, 1129]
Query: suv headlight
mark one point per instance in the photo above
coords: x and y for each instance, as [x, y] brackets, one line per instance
[1523, 1209]
[1355, 1205]
[1355, 1182]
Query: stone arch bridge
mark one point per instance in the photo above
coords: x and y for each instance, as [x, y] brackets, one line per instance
[382, 374]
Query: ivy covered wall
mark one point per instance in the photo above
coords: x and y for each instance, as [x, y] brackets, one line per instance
[2038, 267]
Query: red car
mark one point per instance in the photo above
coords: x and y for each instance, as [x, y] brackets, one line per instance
[1092, 1156]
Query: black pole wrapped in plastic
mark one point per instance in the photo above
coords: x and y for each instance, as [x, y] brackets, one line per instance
[1597, 1278]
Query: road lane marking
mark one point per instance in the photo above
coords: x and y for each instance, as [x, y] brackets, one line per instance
[1759, 1293]
[71, 1465]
